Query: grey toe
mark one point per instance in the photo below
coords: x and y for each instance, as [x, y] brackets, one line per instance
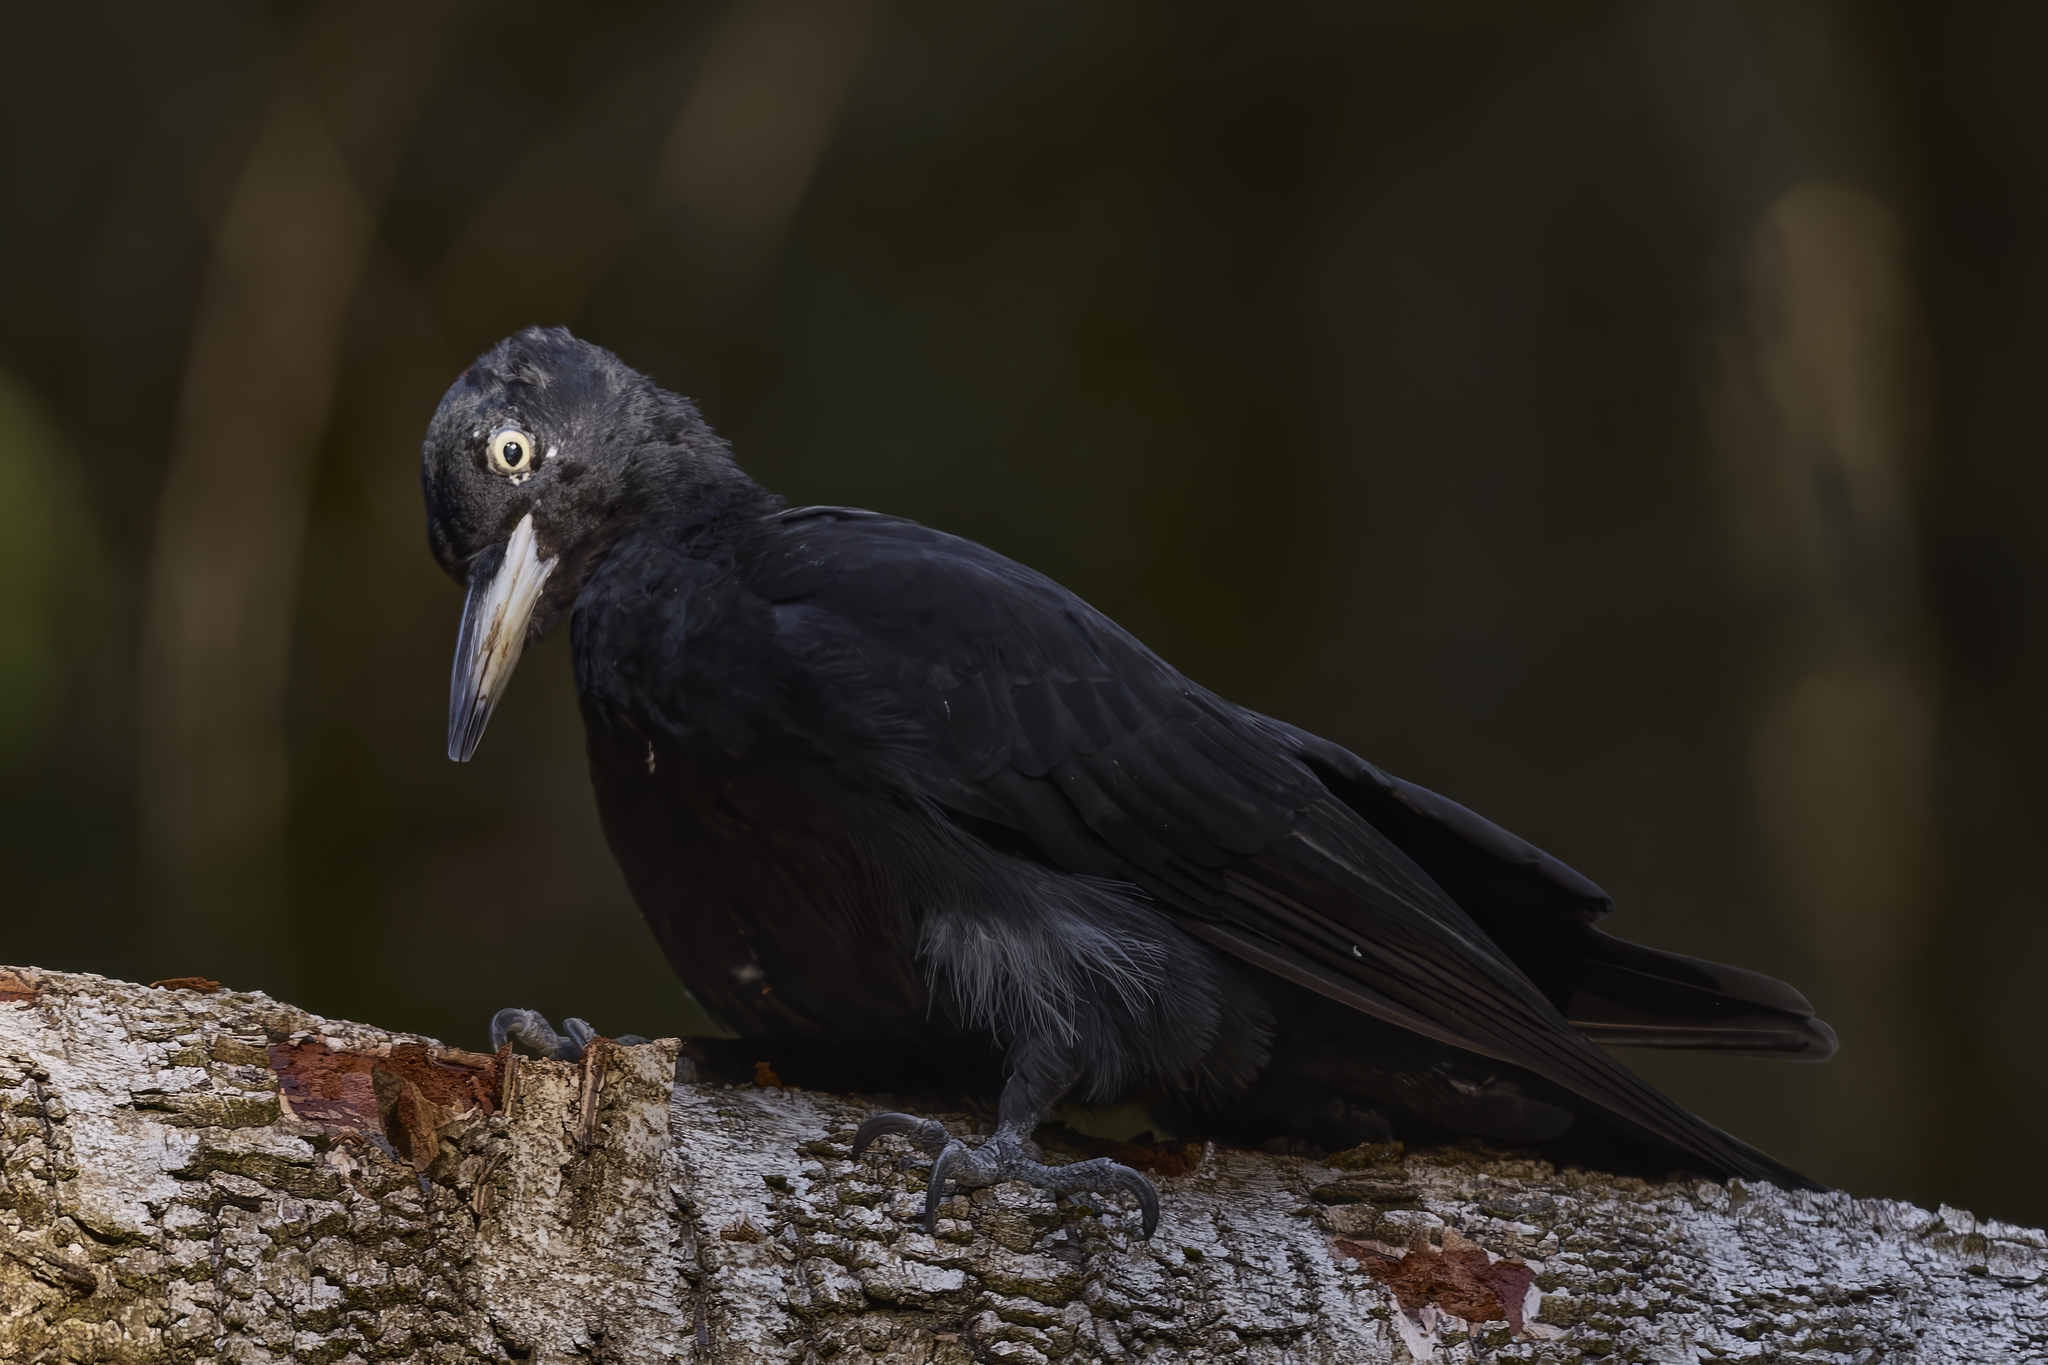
[531, 1029]
[1004, 1158]
[929, 1134]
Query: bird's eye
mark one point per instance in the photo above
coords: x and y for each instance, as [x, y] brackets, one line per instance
[511, 452]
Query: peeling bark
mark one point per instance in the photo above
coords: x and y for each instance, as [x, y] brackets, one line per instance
[190, 1176]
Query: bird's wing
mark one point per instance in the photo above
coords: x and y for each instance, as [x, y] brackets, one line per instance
[1541, 913]
[1029, 717]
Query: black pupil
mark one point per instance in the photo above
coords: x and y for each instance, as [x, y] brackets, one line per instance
[514, 452]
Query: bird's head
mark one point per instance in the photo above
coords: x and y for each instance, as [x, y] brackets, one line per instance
[539, 456]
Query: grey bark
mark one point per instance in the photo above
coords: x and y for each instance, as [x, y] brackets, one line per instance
[175, 1185]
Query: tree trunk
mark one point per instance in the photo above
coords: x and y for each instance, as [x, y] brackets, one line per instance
[192, 1175]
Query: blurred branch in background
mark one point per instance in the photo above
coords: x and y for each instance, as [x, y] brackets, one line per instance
[743, 151]
[754, 109]
[259, 374]
[1820, 420]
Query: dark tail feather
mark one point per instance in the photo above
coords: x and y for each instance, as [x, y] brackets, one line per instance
[1632, 996]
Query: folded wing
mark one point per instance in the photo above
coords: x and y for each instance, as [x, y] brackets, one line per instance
[1040, 725]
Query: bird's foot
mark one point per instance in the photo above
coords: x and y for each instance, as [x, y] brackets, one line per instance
[532, 1029]
[1003, 1157]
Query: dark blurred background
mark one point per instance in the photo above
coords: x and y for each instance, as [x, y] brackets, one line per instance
[1626, 419]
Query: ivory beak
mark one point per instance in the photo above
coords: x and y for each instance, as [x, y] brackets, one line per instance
[504, 588]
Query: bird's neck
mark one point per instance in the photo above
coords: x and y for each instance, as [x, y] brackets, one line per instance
[704, 500]
[714, 497]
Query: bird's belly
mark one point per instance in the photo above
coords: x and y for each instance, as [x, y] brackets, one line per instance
[749, 871]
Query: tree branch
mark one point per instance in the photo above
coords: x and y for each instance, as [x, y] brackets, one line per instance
[190, 1175]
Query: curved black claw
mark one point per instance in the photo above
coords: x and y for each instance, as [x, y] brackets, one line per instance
[956, 1155]
[532, 1028]
[1103, 1175]
[926, 1133]
[1003, 1158]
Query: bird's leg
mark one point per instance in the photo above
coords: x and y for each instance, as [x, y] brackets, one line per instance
[1040, 1074]
[532, 1028]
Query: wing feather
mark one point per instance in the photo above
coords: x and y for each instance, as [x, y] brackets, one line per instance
[1045, 717]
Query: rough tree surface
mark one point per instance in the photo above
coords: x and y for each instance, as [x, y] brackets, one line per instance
[194, 1175]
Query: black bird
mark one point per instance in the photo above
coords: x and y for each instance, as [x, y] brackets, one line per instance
[888, 796]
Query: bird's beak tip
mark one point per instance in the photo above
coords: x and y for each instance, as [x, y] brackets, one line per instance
[504, 589]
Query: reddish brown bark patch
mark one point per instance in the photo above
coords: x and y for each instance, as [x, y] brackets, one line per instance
[326, 1086]
[447, 1083]
[430, 1092]
[13, 988]
[1459, 1280]
[204, 985]
[408, 1095]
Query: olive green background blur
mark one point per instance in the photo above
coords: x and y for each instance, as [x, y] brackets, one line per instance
[1626, 419]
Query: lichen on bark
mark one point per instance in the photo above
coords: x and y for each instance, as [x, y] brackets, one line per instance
[195, 1176]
